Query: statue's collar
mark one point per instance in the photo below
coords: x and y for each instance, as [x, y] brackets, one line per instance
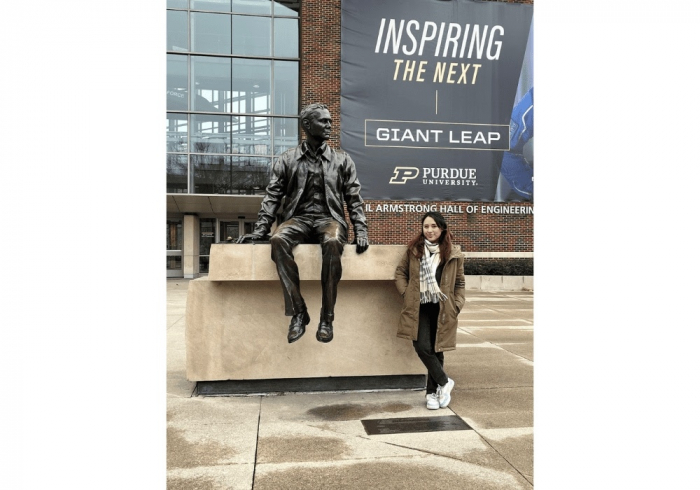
[323, 150]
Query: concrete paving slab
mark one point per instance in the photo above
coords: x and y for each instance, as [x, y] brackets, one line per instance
[500, 335]
[225, 410]
[464, 337]
[211, 443]
[467, 446]
[488, 314]
[522, 349]
[515, 445]
[487, 368]
[327, 427]
[500, 303]
[220, 477]
[494, 408]
[426, 472]
[172, 320]
[178, 386]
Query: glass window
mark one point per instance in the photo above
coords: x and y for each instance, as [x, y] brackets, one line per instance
[286, 134]
[174, 234]
[176, 132]
[207, 227]
[214, 174]
[177, 4]
[287, 37]
[251, 85]
[211, 174]
[215, 5]
[220, 135]
[211, 134]
[211, 33]
[289, 8]
[252, 6]
[211, 79]
[177, 82]
[174, 263]
[286, 88]
[204, 265]
[176, 174]
[251, 135]
[252, 35]
[228, 229]
[177, 31]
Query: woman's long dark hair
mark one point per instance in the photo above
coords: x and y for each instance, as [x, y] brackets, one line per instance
[445, 241]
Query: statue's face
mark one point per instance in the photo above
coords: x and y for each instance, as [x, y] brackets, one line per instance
[318, 125]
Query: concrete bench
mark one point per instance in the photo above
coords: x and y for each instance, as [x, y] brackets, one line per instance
[236, 328]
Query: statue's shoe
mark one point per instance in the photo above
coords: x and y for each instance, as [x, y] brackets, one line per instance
[298, 326]
[325, 332]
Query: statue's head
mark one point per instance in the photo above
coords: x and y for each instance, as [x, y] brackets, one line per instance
[316, 121]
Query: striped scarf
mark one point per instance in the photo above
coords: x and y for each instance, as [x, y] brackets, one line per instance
[429, 289]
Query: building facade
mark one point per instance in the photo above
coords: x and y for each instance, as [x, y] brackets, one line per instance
[238, 73]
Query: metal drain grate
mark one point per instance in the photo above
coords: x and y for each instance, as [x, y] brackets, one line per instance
[414, 424]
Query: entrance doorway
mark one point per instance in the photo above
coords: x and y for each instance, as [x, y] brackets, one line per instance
[173, 249]
[231, 230]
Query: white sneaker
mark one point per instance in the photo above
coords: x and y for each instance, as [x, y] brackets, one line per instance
[432, 401]
[443, 393]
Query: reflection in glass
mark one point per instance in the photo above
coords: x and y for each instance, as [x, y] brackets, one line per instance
[287, 38]
[210, 134]
[286, 133]
[251, 135]
[215, 5]
[204, 265]
[228, 231]
[176, 132]
[174, 263]
[176, 82]
[176, 174]
[207, 227]
[286, 88]
[177, 31]
[251, 86]
[174, 234]
[251, 35]
[214, 174]
[252, 6]
[211, 33]
[177, 4]
[211, 79]
[287, 7]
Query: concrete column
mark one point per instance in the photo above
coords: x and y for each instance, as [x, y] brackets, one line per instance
[190, 246]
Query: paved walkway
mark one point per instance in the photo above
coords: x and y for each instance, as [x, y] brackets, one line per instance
[314, 441]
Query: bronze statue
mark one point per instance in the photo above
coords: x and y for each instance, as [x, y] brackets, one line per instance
[315, 181]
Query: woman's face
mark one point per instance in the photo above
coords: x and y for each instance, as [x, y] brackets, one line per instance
[431, 231]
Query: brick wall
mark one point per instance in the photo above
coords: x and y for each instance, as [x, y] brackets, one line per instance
[320, 82]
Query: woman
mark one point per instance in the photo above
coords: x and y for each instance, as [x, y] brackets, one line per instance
[430, 278]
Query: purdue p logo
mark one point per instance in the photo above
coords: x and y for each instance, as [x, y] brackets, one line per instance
[402, 174]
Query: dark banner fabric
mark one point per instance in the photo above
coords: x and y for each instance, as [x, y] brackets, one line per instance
[433, 100]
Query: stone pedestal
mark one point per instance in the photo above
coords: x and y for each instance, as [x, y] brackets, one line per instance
[236, 328]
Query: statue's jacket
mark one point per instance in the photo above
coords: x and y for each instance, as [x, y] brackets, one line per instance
[287, 181]
[451, 284]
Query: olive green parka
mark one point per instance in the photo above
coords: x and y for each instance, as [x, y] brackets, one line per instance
[407, 279]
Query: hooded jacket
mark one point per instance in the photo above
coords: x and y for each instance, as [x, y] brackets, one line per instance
[407, 279]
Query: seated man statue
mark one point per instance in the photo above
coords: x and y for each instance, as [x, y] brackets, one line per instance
[315, 181]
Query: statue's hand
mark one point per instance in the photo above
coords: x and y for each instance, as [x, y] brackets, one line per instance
[362, 244]
[250, 237]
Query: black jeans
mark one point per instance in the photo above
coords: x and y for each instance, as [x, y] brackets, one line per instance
[425, 346]
[300, 229]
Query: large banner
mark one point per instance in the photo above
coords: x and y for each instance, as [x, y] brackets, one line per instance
[430, 108]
